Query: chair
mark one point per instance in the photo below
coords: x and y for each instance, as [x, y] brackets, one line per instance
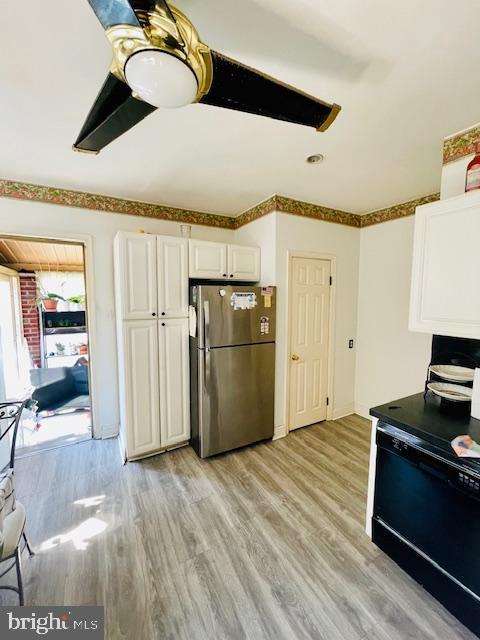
[12, 512]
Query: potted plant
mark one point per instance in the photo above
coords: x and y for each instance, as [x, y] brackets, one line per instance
[60, 348]
[50, 301]
[76, 303]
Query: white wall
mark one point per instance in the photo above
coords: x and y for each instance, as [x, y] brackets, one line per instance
[391, 361]
[54, 221]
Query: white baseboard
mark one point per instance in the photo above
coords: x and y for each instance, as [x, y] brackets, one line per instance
[280, 432]
[341, 412]
[363, 410]
[105, 431]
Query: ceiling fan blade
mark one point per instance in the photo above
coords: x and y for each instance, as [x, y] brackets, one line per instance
[114, 112]
[112, 12]
[236, 86]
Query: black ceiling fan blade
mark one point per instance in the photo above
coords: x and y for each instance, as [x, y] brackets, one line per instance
[112, 12]
[236, 86]
[114, 112]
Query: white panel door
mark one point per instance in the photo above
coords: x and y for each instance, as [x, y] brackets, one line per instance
[243, 263]
[309, 313]
[174, 381]
[142, 414]
[137, 277]
[446, 266]
[207, 260]
[172, 277]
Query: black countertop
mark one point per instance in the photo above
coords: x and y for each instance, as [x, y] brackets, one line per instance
[434, 420]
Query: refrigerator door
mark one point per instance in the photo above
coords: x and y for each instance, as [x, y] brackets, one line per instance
[235, 397]
[230, 315]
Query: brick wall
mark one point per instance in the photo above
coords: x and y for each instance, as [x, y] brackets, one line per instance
[31, 329]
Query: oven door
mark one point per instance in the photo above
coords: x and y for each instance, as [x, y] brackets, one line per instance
[432, 503]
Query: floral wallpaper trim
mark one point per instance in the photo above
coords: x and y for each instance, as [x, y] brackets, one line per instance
[258, 211]
[318, 212]
[396, 211]
[460, 145]
[108, 204]
[65, 197]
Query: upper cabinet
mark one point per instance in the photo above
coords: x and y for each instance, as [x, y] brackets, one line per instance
[218, 261]
[446, 267]
[207, 259]
[151, 276]
[172, 277]
[136, 272]
[243, 262]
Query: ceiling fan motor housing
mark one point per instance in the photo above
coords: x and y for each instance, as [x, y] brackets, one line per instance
[159, 33]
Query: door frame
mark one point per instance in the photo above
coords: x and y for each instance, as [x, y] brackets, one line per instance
[331, 328]
[86, 241]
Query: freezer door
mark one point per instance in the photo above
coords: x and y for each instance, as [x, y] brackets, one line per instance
[235, 397]
[230, 315]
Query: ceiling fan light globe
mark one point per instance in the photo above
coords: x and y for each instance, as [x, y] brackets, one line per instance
[161, 79]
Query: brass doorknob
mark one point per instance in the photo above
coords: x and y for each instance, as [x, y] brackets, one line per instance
[295, 357]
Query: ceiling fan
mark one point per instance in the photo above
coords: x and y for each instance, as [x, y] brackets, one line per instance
[160, 61]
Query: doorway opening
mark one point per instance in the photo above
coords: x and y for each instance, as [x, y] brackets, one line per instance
[44, 346]
[310, 343]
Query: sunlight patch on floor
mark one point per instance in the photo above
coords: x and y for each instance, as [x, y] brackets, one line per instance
[79, 537]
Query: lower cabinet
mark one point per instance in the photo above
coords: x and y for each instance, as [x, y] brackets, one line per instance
[173, 341]
[154, 385]
[139, 397]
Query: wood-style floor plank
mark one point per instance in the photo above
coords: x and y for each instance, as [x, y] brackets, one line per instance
[264, 543]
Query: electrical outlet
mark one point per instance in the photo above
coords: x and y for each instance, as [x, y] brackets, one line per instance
[350, 344]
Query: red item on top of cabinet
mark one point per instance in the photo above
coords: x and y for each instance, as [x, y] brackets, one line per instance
[473, 171]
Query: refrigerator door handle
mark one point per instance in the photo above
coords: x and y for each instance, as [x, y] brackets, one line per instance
[206, 323]
[206, 370]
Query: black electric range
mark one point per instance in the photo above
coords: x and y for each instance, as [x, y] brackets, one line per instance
[426, 512]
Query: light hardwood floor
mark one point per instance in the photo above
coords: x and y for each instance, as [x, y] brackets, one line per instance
[263, 543]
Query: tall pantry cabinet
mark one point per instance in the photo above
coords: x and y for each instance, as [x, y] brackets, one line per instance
[151, 291]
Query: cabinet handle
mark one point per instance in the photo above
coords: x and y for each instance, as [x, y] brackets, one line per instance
[231, 275]
[225, 275]
[154, 314]
[163, 324]
[163, 313]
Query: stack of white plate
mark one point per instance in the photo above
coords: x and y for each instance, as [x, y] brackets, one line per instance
[453, 373]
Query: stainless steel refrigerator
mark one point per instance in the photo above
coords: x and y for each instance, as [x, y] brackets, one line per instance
[232, 366]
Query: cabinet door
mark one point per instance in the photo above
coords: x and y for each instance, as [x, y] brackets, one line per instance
[172, 277]
[141, 404]
[136, 277]
[446, 265]
[208, 259]
[174, 381]
[243, 263]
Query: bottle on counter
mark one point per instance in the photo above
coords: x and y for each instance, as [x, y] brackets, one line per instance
[473, 171]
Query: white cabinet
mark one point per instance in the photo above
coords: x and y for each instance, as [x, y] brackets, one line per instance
[139, 393]
[136, 262]
[243, 262]
[446, 267]
[173, 343]
[151, 276]
[151, 279]
[208, 259]
[218, 261]
[172, 277]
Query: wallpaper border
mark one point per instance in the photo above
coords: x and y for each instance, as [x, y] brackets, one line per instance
[108, 204]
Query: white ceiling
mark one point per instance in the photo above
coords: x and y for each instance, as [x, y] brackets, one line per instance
[406, 73]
